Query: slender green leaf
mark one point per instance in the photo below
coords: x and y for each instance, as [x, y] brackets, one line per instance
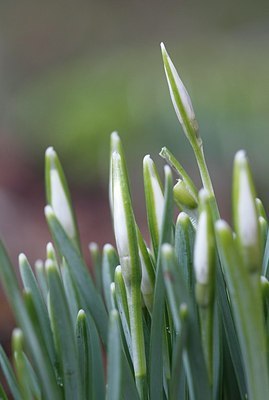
[157, 323]
[20, 365]
[184, 245]
[148, 273]
[3, 395]
[42, 363]
[90, 299]
[30, 283]
[110, 260]
[247, 307]
[90, 358]
[97, 265]
[122, 307]
[41, 278]
[84, 354]
[127, 245]
[9, 375]
[97, 368]
[64, 334]
[194, 362]
[71, 294]
[114, 361]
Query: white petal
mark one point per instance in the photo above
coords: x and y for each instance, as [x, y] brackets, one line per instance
[60, 203]
[201, 256]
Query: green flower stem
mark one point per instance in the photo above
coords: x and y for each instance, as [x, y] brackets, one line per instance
[199, 154]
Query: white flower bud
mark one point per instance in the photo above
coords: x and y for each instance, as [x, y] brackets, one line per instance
[57, 194]
[179, 95]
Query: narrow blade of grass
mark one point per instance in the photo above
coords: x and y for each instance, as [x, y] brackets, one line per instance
[3, 395]
[41, 278]
[97, 265]
[193, 357]
[84, 354]
[114, 361]
[97, 368]
[109, 262]
[90, 299]
[21, 367]
[70, 292]
[38, 351]
[184, 244]
[247, 308]
[9, 375]
[64, 334]
[30, 283]
[157, 322]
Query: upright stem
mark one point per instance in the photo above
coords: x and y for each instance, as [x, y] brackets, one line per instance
[207, 183]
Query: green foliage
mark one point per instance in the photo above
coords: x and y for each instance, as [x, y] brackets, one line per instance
[182, 317]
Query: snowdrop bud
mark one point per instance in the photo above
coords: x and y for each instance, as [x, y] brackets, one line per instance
[115, 145]
[58, 195]
[154, 199]
[119, 212]
[245, 213]
[204, 258]
[180, 98]
[183, 196]
[124, 223]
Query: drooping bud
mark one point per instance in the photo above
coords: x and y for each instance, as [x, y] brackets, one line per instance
[183, 196]
[245, 215]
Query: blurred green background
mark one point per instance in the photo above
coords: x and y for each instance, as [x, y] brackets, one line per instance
[72, 72]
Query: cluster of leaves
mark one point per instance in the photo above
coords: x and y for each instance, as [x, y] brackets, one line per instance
[186, 318]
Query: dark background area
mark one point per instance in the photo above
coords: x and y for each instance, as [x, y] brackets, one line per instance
[72, 72]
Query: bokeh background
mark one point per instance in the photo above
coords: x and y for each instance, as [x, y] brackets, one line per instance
[72, 72]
